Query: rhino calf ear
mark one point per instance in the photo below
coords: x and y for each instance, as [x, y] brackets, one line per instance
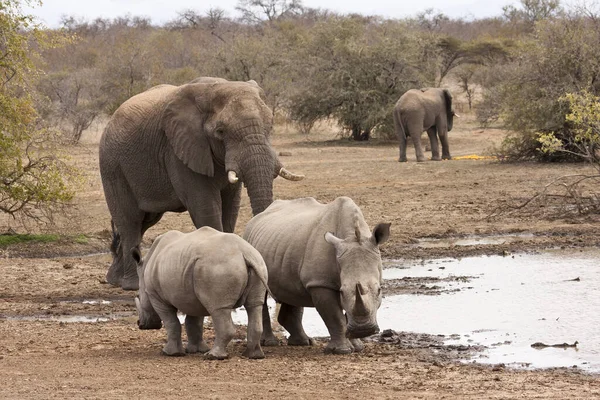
[381, 233]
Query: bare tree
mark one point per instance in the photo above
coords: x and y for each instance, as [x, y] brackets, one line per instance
[257, 11]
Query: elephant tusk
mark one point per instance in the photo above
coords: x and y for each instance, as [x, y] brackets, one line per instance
[284, 173]
[232, 177]
[456, 115]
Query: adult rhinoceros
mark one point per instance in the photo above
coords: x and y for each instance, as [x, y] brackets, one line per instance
[323, 256]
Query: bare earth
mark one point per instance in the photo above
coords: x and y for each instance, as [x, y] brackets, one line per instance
[113, 359]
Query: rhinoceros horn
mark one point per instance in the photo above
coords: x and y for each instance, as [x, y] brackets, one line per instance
[360, 308]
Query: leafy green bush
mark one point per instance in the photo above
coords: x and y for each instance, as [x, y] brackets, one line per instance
[560, 58]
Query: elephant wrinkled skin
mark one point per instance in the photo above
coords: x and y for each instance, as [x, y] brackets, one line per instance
[420, 110]
[189, 147]
[205, 272]
[322, 256]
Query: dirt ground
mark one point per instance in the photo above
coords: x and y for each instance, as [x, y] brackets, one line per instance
[44, 355]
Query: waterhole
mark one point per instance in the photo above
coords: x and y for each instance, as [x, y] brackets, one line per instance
[548, 299]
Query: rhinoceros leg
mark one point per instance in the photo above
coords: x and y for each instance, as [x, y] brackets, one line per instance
[224, 332]
[290, 318]
[254, 333]
[268, 337]
[194, 328]
[357, 345]
[328, 305]
[168, 314]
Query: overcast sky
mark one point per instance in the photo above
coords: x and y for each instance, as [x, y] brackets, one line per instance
[161, 11]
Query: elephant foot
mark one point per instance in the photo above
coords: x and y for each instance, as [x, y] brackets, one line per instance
[173, 351]
[269, 342]
[253, 354]
[421, 160]
[447, 158]
[201, 347]
[300, 341]
[357, 345]
[216, 354]
[114, 276]
[402, 160]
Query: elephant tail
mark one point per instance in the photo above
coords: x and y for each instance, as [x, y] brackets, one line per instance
[116, 239]
[399, 124]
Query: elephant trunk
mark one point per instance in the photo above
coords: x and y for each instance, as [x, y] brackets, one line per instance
[257, 164]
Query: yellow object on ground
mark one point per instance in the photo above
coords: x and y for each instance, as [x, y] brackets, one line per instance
[475, 157]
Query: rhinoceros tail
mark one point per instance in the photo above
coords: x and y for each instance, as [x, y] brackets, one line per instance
[257, 264]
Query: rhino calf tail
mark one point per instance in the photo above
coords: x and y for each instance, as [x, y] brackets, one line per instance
[255, 261]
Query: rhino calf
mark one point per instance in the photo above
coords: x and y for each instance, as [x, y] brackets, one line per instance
[323, 256]
[204, 272]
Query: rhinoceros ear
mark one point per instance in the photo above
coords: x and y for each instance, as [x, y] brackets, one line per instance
[336, 242]
[332, 239]
[381, 233]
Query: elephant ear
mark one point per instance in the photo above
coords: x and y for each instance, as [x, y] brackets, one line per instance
[183, 123]
[448, 101]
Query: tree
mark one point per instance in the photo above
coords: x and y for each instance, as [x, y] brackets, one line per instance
[530, 12]
[562, 57]
[257, 11]
[34, 182]
[354, 69]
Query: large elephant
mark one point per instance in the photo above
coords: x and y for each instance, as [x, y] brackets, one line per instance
[419, 110]
[189, 147]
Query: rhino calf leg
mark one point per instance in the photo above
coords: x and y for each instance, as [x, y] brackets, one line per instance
[255, 328]
[194, 328]
[224, 332]
[168, 314]
[327, 303]
[290, 318]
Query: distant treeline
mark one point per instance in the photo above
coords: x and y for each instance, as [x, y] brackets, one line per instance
[315, 64]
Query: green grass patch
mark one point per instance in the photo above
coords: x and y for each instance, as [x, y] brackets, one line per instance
[6, 240]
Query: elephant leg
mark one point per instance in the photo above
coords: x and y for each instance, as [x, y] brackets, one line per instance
[435, 147]
[205, 210]
[416, 139]
[230, 198]
[124, 273]
[194, 328]
[168, 314]
[224, 332]
[445, 147]
[402, 155]
[254, 332]
[290, 317]
[328, 305]
[268, 337]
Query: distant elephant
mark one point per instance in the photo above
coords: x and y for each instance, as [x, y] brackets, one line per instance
[419, 110]
[189, 147]
[201, 273]
[322, 256]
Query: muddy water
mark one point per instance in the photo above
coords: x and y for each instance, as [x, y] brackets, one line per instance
[513, 302]
[508, 304]
[504, 303]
